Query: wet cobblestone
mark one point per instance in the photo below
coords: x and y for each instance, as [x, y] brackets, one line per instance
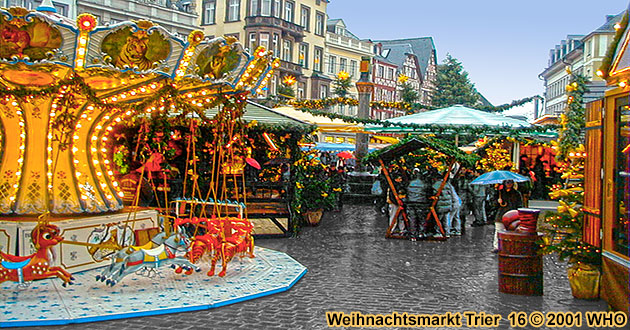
[353, 267]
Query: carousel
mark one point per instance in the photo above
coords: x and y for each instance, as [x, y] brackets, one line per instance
[67, 237]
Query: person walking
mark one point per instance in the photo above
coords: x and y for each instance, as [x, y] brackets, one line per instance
[509, 199]
[478, 193]
[444, 206]
[418, 202]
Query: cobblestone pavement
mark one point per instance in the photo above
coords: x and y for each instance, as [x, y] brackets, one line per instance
[352, 267]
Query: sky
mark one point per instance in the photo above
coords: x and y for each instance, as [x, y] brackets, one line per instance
[502, 44]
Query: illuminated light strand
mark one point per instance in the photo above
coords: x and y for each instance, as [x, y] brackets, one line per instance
[21, 152]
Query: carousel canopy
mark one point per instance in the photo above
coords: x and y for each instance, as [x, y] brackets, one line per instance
[457, 115]
[65, 85]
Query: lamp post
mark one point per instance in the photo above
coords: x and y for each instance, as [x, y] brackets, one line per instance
[365, 88]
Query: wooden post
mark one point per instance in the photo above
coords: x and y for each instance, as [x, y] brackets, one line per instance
[401, 206]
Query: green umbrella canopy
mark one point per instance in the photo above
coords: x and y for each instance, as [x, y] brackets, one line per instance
[457, 115]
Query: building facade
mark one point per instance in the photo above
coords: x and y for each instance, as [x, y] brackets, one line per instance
[343, 53]
[64, 7]
[582, 54]
[176, 16]
[294, 30]
[384, 78]
[416, 58]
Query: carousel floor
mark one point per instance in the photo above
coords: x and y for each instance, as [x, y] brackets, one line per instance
[47, 302]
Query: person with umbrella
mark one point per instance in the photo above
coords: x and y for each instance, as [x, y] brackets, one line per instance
[508, 197]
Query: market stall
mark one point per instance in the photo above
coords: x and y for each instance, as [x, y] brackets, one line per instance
[608, 150]
[438, 159]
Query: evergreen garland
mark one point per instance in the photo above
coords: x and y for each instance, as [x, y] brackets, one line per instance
[612, 48]
[438, 129]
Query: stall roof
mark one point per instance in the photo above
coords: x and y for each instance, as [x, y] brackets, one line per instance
[324, 123]
[417, 142]
[264, 115]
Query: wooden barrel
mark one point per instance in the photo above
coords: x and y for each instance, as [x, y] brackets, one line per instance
[520, 265]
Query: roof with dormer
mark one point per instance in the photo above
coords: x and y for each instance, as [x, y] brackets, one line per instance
[423, 48]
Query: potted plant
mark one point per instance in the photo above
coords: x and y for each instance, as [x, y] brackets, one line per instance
[314, 192]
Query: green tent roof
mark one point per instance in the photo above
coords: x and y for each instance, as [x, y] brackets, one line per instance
[457, 115]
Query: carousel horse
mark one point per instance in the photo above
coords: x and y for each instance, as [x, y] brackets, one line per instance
[36, 266]
[120, 256]
[224, 239]
[162, 254]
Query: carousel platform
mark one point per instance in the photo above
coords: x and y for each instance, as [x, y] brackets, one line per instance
[47, 302]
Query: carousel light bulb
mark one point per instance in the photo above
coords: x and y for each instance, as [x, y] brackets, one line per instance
[83, 116]
[83, 197]
[94, 150]
[110, 173]
[623, 84]
[20, 160]
[15, 104]
[106, 161]
[79, 125]
[76, 137]
[77, 174]
[18, 173]
[76, 161]
[75, 149]
[49, 161]
[81, 51]
[79, 62]
[121, 194]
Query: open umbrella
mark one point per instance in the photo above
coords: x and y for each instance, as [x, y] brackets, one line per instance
[345, 155]
[498, 177]
[252, 162]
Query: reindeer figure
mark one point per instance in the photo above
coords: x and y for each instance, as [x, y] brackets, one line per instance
[163, 254]
[224, 239]
[36, 266]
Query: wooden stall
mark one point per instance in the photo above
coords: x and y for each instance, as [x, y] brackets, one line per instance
[608, 173]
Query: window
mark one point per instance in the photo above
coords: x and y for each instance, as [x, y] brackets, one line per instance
[286, 50]
[390, 73]
[317, 60]
[264, 40]
[323, 91]
[274, 85]
[319, 24]
[209, 12]
[353, 68]
[343, 63]
[288, 11]
[265, 9]
[305, 17]
[233, 10]
[303, 60]
[253, 8]
[277, 8]
[276, 45]
[300, 90]
[332, 64]
[379, 72]
[252, 42]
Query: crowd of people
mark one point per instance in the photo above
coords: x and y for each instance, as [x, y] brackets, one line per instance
[458, 201]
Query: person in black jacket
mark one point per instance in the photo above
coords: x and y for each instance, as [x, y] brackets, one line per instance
[509, 199]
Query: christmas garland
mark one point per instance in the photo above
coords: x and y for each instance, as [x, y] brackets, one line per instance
[612, 48]
[437, 129]
[326, 103]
